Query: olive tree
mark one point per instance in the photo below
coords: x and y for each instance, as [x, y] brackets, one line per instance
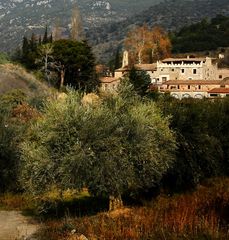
[118, 144]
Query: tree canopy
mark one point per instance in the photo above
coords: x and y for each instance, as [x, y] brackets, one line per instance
[202, 36]
[75, 63]
[110, 147]
[147, 45]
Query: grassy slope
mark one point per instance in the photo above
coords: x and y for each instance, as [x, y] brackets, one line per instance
[16, 77]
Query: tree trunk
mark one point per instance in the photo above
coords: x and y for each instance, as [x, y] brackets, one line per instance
[62, 75]
[115, 203]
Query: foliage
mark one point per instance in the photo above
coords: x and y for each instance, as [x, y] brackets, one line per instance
[3, 58]
[109, 147]
[202, 135]
[202, 214]
[14, 117]
[224, 62]
[202, 36]
[30, 49]
[75, 63]
[140, 81]
[147, 45]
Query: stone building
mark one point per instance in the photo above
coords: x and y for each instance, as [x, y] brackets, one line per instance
[109, 84]
[181, 77]
[185, 69]
[194, 88]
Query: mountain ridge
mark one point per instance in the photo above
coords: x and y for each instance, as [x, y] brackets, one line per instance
[22, 17]
[171, 15]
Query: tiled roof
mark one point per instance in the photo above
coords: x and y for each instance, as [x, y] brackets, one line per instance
[108, 79]
[219, 90]
[146, 67]
[126, 68]
[193, 82]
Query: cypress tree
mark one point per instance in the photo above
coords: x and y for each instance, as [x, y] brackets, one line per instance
[45, 38]
[25, 47]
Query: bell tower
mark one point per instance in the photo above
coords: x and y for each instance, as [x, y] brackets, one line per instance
[125, 59]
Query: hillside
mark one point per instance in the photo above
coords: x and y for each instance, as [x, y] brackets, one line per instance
[171, 15]
[19, 18]
[202, 36]
[15, 77]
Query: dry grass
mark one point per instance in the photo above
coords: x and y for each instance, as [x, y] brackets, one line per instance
[9, 201]
[203, 214]
[16, 77]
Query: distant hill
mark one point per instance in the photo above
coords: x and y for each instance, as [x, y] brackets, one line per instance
[16, 77]
[171, 15]
[22, 17]
[202, 36]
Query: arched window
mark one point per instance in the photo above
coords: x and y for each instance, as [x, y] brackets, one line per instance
[200, 96]
[186, 95]
[175, 95]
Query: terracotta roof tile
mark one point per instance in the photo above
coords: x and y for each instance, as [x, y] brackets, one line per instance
[219, 90]
[146, 67]
[108, 79]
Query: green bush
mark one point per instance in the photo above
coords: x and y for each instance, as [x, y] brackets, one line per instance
[115, 145]
[3, 58]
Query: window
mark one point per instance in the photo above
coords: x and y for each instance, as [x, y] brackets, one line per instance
[220, 76]
[178, 86]
[182, 70]
[199, 87]
[186, 95]
[188, 86]
[199, 96]
[161, 69]
[194, 71]
[172, 69]
[164, 79]
[213, 95]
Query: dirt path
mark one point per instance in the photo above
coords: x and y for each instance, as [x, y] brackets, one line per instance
[15, 226]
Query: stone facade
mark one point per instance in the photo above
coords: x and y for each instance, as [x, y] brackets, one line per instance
[185, 69]
[183, 77]
[109, 84]
[192, 88]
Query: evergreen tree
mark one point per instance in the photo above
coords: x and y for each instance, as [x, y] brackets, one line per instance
[45, 38]
[140, 81]
[25, 49]
[75, 63]
[112, 147]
